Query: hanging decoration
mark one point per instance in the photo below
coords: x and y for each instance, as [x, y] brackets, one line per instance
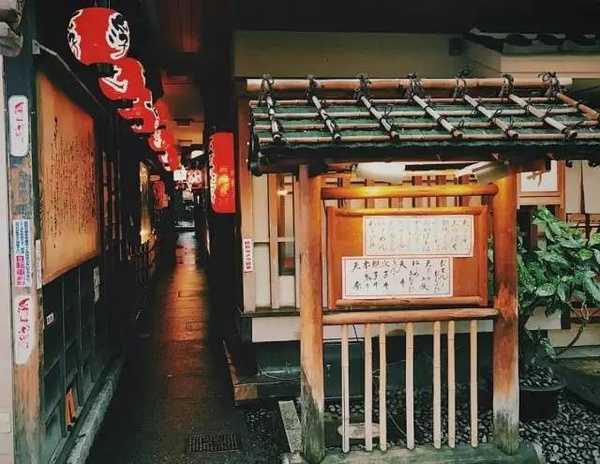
[141, 114]
[173, 157]
[157, 141]
[98, 35]
[221, 172]
[195, 179]
[162, 111]
[127, 82]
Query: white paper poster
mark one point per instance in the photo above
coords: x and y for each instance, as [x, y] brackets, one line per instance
[24, 326]
[447, 235]
[367, 277]
[248, 255]
[22, 253]
[540, 181]
[18, 124]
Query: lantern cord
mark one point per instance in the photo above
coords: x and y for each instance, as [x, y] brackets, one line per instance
[73, 74]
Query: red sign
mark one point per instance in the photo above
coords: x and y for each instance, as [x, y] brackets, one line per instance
[222, 172]
[127, 82]
[98, 35]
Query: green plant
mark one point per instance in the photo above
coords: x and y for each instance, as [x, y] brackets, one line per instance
[561, 275]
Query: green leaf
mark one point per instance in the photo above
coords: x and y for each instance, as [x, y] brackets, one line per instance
[553, 257]
[592, 287]
[561, 291]
[594, 239]
[584, 254]
[546, 290]
[597, 255]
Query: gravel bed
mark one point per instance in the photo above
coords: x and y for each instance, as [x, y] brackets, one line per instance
[266, 437]
[573, 436]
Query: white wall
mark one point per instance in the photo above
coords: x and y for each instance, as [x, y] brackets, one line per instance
[337, 54]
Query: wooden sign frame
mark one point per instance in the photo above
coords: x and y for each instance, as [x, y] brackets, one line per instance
[345, 238]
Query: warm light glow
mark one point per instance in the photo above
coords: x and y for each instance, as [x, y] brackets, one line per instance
[196, 154]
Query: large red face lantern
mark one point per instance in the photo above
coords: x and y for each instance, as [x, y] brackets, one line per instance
[222, 172]
[98, 35]
[141, 114]
[127, 82]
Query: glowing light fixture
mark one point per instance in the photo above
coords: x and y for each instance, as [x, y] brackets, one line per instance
[222, 172]
[98, 35]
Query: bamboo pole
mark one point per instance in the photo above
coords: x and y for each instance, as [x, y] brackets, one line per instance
[381, 119]
[399, 101]
[506, 333]
[345, 391]
[588, 112]
[382, 388]
[311, 312]
[415, 125]
[255, 85]
[368, 388]
[425, 137]
[569, 133]
[327, 121]
[504, 126]
[404, 113]
[454, 132]
[473, 383]
[451, 387]
[408, 191]
[410, 395]
[437, 387]
[275, 129]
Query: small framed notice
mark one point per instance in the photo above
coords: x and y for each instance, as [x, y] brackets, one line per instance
[367, 277]
[407, 256]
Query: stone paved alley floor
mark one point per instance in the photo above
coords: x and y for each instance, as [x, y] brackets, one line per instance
[175, 382]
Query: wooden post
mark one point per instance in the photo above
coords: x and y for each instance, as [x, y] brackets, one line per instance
[311, 313]
[506, 332]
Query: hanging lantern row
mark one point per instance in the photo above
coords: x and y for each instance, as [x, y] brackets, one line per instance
[101, 36]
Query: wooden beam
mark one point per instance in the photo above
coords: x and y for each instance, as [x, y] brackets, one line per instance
[397, 317]
[255, 85]
[416, 191]
[506, 332]
[394, 303]
[311, 313]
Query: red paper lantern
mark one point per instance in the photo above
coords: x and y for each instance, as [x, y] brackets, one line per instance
[141, 114]
[98, 35]
[173, 157]
[162, 110]
[222, 172]
[160, 139]
[127, 82]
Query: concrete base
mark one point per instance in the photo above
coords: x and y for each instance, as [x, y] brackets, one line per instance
[429, 455]
[93, 420]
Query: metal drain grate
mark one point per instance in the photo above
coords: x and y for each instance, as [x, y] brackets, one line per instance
[213, 442]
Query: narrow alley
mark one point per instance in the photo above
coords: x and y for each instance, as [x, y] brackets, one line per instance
[175, 384]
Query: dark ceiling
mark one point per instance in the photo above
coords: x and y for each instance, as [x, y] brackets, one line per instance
[418, 16]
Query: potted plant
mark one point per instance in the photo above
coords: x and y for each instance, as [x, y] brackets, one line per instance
[560, 275]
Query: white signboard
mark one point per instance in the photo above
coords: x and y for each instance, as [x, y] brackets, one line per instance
[24, 326]
[540, 181]
[22, 253]
[248, 254]
[367, 277]
[447, 235]
[18, 123]
[179, 175]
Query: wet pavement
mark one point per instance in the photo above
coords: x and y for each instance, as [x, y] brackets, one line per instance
[175, 382]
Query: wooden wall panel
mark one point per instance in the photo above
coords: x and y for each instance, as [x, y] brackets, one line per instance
[68, 182]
